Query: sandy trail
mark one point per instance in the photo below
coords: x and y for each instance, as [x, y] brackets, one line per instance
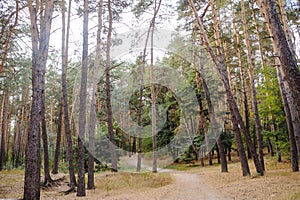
[186, 186]
[191, 186]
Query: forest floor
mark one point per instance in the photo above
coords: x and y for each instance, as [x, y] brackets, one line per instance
[178, 182]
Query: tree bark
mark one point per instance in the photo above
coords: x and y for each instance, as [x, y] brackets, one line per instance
[221, 153]
[288, 61]
[293, 147]
[3, 124]
[111, 136]
[140, 109]
[253, 89]
[47, 177]
[242, 74]
[58, 138]
[40, 46]
[291, 102]
[64, 49]
[82, 106]
[92, 125]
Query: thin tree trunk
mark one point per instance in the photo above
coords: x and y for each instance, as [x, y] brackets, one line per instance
[189, 131]
[152, 88]
[82, 110]
[221, 153]
[202, 121]
[20, 137]
[47, 177]
[58, 138]
[293, 147]
[3, 124]
[8, 133]
[139, 160]
[65, 45]
[92, 125]
[253, 89]
[243, 82]
[270, 147]
[108, 94]
[153, 102]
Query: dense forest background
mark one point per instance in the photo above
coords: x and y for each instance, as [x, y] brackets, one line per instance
[197, 80]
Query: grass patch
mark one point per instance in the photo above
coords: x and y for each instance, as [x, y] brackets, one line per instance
[123, 180]
[13, 171]
[181, 167]
[295, 196]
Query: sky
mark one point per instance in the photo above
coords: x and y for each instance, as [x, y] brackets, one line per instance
[125, 26]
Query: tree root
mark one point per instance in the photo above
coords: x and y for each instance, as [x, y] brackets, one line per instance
[52, 183]
[70, 190]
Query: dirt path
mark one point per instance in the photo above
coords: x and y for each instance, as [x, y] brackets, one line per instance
[186, 186]
[191, 186]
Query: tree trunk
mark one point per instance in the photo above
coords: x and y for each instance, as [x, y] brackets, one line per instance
[3, 124]
[243, 82]
[288, 61]
[92, 125]
[270, 147]
[293, 147]
[82, 109]
[65, 45]
[291, 102]
[240, 147]
[139, 160]
[253, 89]
[294, 116]
[215, 129]
[58, 138]
[153, 102]
[202, 121]
[20, 137]
[47, 177]
[133, 149]
[108, 94]
[40, 46]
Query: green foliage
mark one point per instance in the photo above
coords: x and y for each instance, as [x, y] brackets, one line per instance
[141, 7]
